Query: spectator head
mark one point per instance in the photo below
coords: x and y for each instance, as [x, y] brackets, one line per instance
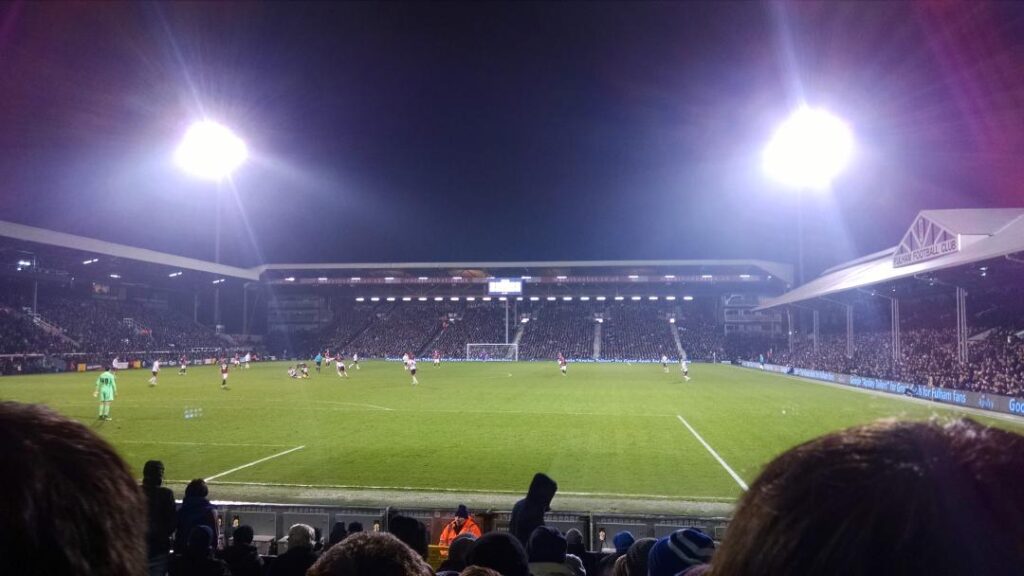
[338, 533]
[479, 571]
[546, 544]
[412, 532]
[301, 536]
[542, 490]
[197, 489]
[679, 551]
[69, 503]
[891, 497]
[354, 527]
[623, 540]
[153, 473]
[461, 514]
[636, 556]
[242, 535]
[459, 549]
[574, 542]
[370, 554]
[500, 551]
[200, 541]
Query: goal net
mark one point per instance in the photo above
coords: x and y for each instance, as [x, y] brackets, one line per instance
[492, 352]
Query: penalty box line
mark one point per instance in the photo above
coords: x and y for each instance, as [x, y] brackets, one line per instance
[254, 462]
[711, 450]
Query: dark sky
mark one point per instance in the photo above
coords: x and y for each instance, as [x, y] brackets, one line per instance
[485, 131]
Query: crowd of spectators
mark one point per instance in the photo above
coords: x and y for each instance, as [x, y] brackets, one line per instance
[928, 357]
[399, 329]
[20, 335]
[701, 338]
[862, 501]
[634, 330]
[481, 323]
[557, 328]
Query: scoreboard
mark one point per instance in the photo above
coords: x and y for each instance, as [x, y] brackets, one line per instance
[505, 287]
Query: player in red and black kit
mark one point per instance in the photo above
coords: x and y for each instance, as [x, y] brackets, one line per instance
[182, 366]
[562, 365]
[224, 374]
[437, 358]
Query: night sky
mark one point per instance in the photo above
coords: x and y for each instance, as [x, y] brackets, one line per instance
[485, 131]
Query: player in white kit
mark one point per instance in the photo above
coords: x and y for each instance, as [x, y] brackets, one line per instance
[412, 370]
[355, 360]
[405, 361]
[339, 365]
[684, 367]
[156, 371]
[664, 363]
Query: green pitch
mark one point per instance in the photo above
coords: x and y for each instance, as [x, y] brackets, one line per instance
[604, 431]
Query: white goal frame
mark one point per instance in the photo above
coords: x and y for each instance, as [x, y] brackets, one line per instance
[500, 352]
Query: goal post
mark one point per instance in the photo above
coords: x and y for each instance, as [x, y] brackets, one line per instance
[482, 351]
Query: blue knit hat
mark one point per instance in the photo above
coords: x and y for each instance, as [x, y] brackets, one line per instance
[678, 551]
[462, 511]
[623, 540]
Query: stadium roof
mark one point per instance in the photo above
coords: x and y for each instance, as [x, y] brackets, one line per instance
[782, 273]
[74, 242]
[936, 240]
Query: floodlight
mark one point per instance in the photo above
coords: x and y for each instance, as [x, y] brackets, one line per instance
[115, 276]
[24, 263]
[360, 299]
[561, 277]
[290, 279]
[671, 320]
[688, 298]
[374, 299]
[438, 299]
[567, 298]
[454, 298]
[470, 298]
[809, 149]
[551, 298]
[634, 298]
[389, 278]
[321, 279]
[174, 274]
[406, 299]
[534, 298]
[421, 299]
[218, 281]
[390, 298]
[601, 298]
[210, 151]
[487, 298]
[670, 298]
[619, 298]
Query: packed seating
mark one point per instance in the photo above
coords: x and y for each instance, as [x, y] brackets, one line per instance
[636, 331]
[482, 323]
[558, 328]
[399, 329]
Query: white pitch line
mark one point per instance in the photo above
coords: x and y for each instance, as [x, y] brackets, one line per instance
[728, 469]
[260, 461]
[360, 404]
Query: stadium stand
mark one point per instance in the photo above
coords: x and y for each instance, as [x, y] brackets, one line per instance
[558, 328]
[636, 330]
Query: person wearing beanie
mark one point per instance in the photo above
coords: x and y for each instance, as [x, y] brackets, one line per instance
[456, 560]
[679, 551]
[546, 552]
[622, 541]
[354, 527]
[160, 503]
[463, 523]
[195, 510]
[528, 513]
[299, 556]
[197, 559]
[575, 548]
[636, 556]
[499, 551]
[241, 556]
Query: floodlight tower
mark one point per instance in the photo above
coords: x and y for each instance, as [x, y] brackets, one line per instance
[211, 151]
[806, 153]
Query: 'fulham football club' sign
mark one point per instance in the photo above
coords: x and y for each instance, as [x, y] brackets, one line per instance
[924, 241]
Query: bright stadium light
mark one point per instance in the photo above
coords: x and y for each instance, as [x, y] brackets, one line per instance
[91, 261]
[174, 274]
[374, 299]
[620, 298]
[210, 151]
[534, 298]
[438, 299]
[670, 298]
[115, 276]
[808, 150]
[688, 298]
[406, 299]
[470, 298]
[551, 298]
[390, 298]
[360, 299]
[421, 299]
[634, 298]
[601, 298]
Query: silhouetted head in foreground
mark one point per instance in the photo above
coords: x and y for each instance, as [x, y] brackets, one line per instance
[370, 554]
[887, 498]
[68, 503]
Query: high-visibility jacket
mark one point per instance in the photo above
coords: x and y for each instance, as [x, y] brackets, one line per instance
[451, 531]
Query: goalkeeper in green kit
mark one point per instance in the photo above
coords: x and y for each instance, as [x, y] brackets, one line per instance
[106, 390]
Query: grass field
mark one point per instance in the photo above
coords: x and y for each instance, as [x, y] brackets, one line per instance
[604, 431]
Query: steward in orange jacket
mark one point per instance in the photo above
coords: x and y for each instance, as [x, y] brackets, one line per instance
[462, 524]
